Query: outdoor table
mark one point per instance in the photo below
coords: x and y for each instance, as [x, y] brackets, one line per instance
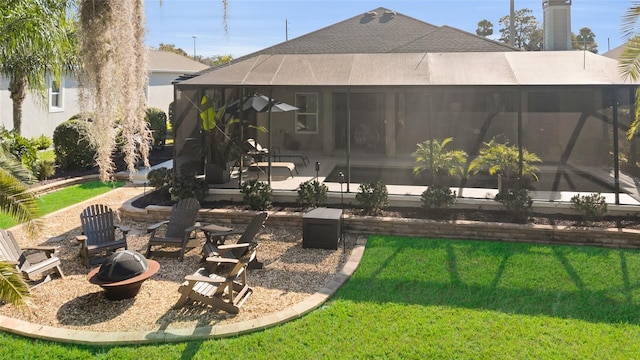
[215, 233]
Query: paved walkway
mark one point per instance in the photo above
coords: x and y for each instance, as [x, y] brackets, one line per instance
[314, 301]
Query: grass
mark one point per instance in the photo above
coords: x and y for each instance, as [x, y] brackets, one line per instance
[65, 197]
[432, 298]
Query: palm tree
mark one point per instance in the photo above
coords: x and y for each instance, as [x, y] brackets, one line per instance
[36, 45]
[20, 204]
[432, 157]
[503, 160]
[630, 58]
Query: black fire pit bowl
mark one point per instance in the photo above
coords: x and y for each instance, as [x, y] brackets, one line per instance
[122, 274]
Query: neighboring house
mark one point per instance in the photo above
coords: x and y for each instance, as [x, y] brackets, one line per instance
[62, 99]
[379, 83]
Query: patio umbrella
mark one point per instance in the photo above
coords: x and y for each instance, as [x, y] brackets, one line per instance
[259, 103]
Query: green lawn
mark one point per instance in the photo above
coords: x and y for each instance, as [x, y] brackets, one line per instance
[430, 298]
[65, 197]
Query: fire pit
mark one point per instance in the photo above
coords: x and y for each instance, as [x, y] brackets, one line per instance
[122, 274]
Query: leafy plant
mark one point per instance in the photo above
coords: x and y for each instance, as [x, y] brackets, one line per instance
[435, 198]
[73, 150]
[517, 203]
[157, 120]
[257, 194]
[372, 197]
[504, 160]
[431, 156]
[44, 169]
[187, 185]
[161, 178]
[590, 207]
[312, 193]
[42, 142]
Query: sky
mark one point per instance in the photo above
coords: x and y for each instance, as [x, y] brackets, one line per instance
[197, 25]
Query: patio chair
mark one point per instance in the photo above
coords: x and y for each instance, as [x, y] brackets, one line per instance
[259, 152]
[100, 237]
[177, 232]
[35, 263]
[215, 244]
[221, 283]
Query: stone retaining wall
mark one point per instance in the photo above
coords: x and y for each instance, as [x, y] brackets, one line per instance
[370, 225]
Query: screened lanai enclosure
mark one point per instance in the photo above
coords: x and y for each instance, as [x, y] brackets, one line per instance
[369, 112]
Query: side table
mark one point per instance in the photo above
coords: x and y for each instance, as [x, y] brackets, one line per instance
[321, 228]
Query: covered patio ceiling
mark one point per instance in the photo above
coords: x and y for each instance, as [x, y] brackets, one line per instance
[418, 69]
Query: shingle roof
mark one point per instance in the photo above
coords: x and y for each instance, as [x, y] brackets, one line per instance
[384, 32]
[421, 69]
[166, 61]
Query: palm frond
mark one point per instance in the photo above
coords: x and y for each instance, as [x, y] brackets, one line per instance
[13, 288]
[17, 201]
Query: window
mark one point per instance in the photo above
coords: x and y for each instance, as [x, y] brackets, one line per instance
[307, 114]
[55, 96]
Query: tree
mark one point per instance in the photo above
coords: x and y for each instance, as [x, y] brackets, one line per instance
[215, 60]
[20, 204]
[629, 62]
[525, 26]
[585, 40]
[485, 28]
[172, 48]
[37, 43]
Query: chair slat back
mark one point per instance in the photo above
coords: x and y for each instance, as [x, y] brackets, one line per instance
[184, 213]
[9, 248]
[253, 228]
[98, 224]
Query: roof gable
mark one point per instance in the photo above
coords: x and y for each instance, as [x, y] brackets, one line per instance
[383, 31]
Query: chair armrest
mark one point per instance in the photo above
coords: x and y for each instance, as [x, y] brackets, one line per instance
[233, 246]
[155, 227]
[220, 260]
[82, 239]
[200, 278]
[191, 228]
[48, 250]
[125, 229]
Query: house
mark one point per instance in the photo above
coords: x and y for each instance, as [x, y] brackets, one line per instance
[375, 85]
[62, 101]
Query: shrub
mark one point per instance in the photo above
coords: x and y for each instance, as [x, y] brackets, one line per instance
[187, 185]
[436, 197]
[73, 150]
[312, 193]
[44, 169]
[161, 178]
[42, 142]
[372, 197]
[517, 203]
[23, 149]
[157, 120]
[590, 207]
[256, 194]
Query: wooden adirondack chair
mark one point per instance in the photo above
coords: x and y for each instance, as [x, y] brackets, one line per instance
[221, 283]
[178, 230]
[35, 263]
[99, 235]
[215, 245]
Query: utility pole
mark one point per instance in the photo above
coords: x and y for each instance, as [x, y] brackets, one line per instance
[194, 47]
[512, 27]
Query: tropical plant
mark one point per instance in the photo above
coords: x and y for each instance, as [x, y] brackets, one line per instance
[21, 205]
[629, 62]
[431, 156]
[503, 160]
[37, 44]
[219, 147]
